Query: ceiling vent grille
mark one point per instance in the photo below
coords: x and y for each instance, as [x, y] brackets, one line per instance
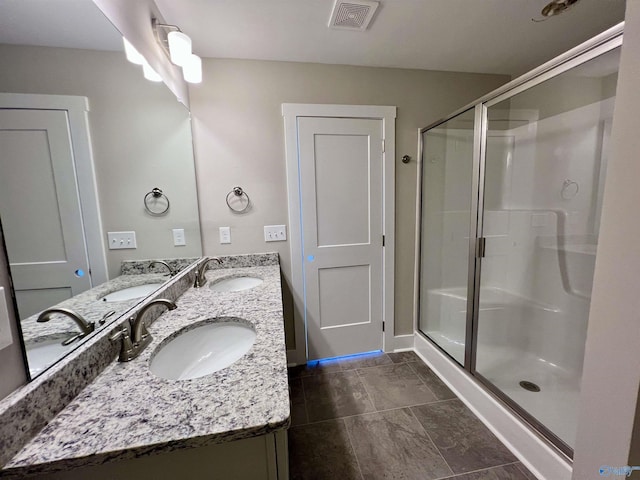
[352, 15]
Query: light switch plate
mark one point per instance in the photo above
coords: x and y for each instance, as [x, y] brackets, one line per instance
[179, 239]
[275, 233]
[121, 240]
[225, 234]
[6, 338]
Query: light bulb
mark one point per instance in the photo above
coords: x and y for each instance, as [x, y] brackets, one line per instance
[179, 48]
[132, 54]
[192, 69]
[149, 73]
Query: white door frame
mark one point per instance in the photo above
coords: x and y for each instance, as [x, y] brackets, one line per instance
[77, 109]
[291, 112]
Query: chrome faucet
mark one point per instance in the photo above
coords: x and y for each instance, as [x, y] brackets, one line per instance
[172, 272]
[134, 334]
[201, 270]
[85, 327]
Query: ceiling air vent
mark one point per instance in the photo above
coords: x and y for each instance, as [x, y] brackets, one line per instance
[352, 15]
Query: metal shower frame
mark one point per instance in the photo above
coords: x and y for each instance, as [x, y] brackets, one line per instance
[598, 45]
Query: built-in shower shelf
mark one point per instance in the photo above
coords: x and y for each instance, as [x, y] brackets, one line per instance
[584, 249]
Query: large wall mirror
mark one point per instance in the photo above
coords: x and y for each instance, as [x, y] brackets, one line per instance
[84, 138]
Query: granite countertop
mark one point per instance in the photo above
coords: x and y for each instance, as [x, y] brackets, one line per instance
[129, 412]
[89, 306]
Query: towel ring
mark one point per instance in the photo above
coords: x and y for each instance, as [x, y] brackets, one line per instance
[238, 194]
[154, 203]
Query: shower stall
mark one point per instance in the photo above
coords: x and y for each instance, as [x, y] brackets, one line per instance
[511, 194]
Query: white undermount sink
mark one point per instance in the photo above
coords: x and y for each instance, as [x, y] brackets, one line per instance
[235, 284]
[130, 293]
[45, 352]
[203, 350]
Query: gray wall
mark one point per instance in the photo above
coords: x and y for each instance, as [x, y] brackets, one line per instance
[13, 372]
[239, 140]
[141, 139]
[612, 360]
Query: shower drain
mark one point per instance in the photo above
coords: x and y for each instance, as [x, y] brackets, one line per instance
[530, 386]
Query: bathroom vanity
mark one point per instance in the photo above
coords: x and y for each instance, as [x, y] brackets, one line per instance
[129, 422]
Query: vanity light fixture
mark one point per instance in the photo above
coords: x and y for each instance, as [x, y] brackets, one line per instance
[192, 69]
[136, 58]
[132, 54]
[149, 73]
[177, 46]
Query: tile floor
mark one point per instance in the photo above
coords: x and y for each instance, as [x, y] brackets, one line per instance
[388, 416]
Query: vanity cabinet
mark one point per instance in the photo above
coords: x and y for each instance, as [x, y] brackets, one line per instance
[258, 458]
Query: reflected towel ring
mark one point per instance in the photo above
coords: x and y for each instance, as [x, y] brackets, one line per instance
[156, 202]
[569, 189]
[238, 197]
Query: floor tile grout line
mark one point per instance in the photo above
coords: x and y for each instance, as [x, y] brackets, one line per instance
[372, 413]
[304, 402]
[343, 370]
[432, 442]
[373, 403]
[420, 378]
[477, 471]
[353, 449]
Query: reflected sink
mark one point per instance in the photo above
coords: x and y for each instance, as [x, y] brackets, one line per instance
[203, 350]
[44, 352]
[235, 284]
[130, 293]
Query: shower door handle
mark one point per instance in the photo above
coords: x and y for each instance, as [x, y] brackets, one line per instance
[480, 247]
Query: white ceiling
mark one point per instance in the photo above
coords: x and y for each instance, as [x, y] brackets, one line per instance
[489, 36]
[57, 23]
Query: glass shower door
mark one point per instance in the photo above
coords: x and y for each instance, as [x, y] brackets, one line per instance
[544, 166]
[447, 171]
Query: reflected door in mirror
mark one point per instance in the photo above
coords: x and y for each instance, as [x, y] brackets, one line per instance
[40, 209]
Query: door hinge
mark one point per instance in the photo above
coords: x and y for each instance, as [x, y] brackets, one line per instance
[383, 326]
[383, 240]
[383, 146]
[481, 244]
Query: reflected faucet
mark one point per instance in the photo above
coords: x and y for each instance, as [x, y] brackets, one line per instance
[134, 334]
[85, 327]
[201, 270]
[172, 272]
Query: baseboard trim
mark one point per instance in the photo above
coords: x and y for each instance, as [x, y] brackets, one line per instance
[402, 343]
[531, 450]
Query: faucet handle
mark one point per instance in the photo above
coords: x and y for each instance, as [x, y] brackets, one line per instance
[144, 333]
[126, 347]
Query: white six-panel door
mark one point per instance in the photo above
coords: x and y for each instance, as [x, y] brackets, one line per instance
[40, 208]
[341, 195]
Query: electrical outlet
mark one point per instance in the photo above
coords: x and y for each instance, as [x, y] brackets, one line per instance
[275, 233]
[121, 240]
[178, 237]
[225, 234]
